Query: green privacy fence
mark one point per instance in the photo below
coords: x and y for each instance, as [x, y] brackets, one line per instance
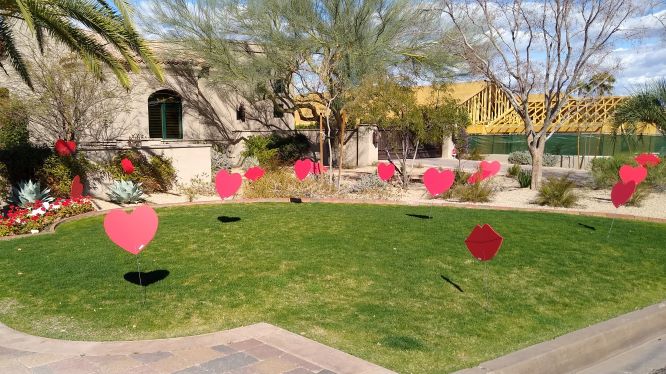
[572, 144]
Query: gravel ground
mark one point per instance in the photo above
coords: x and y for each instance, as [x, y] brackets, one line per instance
[508, 194]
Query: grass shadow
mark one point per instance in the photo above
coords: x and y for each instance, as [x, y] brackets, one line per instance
[145, 279]
[227, 219]
[420, 216]
[449, 281]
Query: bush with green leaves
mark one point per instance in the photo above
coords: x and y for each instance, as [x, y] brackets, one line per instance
[57, 172]
[275, 150]
[14, 119]
[557, 192]
[27, 193]
[24, 161]
[125, 192]
[525, 158]
[155, 172]
[524, 178]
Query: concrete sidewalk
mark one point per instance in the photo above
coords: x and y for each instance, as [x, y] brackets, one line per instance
[644, 359]
[257, 349]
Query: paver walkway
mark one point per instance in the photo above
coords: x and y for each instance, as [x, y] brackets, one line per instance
[261, 348]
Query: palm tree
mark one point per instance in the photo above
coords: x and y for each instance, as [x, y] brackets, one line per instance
[101, 32]
[647, 106]
[600, 84]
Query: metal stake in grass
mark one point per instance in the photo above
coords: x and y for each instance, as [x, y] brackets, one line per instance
[138, 273]
[611, 228]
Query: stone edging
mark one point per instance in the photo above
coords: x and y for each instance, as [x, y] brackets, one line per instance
[51, 229]
[582, 348]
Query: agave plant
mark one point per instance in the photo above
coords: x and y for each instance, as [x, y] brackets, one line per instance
[27, 193]
[125, 192]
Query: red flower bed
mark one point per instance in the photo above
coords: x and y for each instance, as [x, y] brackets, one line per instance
[19, 220]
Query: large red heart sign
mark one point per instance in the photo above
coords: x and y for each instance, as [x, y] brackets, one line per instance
[636, 174]
[65, 148]
[484, 242]
[385, 171]
[489, 169]
[437, 182]
[254, 173]
[302, 168]
[76, 191]
[227, 184]
[622, 192]
[131, 232]
[647, 159]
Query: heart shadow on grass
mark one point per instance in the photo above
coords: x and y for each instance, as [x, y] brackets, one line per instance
[147, 278]
[227, 219]
[421, 216]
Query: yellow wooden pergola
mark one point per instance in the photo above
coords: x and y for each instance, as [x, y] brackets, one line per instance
[491, 113]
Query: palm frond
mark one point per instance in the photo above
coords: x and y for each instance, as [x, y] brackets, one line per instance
[11, 50]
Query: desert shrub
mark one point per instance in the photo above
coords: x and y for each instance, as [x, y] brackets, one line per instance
[513, 171]
[557, 192]
[281, 183]
[657, 176]
[605, 169]
[365, 183]
[474, 193]
[155, 173]
[57, 172]
[642, 192]
[198, 185]
[273, 151]
[605, 172]
[525, 158]
[524, 178]
[219, 159]
[476, 155]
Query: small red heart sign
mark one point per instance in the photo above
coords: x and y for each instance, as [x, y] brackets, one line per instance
[131, 232]
[227, 184]
[475, 178]
[254, 173]
[385, 171]
[65, 148]
[647, 159]
[484, 242]
[636, 174]
[622, 192]
[302, 168]
[489, 169]
[318, 168]
[127, 166]
[437, 182]
[76, 191]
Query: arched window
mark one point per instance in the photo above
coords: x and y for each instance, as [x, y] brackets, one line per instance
[165, 115]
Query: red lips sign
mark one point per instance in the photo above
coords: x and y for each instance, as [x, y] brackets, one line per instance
[484, 242]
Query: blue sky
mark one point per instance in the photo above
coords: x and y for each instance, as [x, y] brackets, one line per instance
[641, 60]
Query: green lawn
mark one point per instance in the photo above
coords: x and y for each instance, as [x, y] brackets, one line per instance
[364, 279]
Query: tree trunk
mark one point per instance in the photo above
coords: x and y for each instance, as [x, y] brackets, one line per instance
[537, 164]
